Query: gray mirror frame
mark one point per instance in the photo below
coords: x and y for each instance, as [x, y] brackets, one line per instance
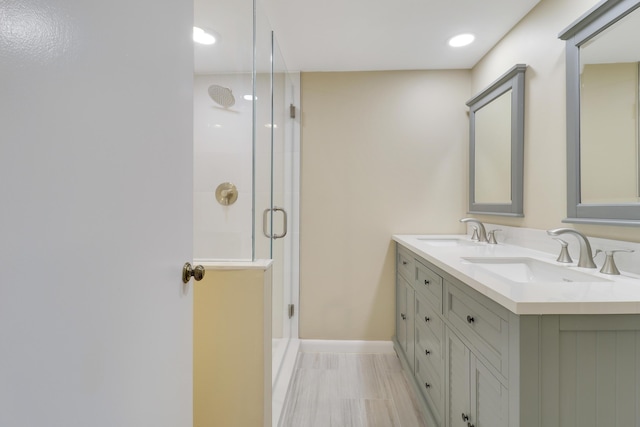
[592, 23]
[512, 80]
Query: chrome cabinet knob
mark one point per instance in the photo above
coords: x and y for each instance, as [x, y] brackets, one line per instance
[188, 271]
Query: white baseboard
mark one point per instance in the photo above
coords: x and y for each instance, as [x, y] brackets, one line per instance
[345, 346]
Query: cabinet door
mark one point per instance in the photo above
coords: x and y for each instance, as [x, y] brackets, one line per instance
[458, 381]
[489, 398]
[405, 314]
[401, 312]
[476, 397]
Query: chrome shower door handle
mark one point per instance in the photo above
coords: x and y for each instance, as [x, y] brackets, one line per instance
[265, 216]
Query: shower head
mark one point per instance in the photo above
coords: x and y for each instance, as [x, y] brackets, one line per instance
[222, 96]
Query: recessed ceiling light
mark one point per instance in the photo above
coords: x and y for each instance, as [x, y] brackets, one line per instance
[203, 37]
[250, 97]
[461, 40]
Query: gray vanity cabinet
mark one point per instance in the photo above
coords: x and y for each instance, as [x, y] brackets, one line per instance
[475, 363]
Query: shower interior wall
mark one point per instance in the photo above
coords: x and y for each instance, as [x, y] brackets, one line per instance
[223, 152]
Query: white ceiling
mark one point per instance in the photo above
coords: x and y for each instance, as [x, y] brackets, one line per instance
[355, 35]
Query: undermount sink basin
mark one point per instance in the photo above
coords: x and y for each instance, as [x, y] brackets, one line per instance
[446, 241]
[529, 270]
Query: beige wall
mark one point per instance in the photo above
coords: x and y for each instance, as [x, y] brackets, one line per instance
[534, 41]
[382, 153]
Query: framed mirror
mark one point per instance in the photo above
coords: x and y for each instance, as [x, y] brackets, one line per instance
[496, 146]
[603, 122]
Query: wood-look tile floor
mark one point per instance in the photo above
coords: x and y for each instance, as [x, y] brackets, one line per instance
[350, 390]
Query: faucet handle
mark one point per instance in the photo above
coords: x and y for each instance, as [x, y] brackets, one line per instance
[474, 235]
[492, 236]
[609, 266]
[564, 252]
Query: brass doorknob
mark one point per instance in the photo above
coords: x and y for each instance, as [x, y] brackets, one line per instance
[188, 271]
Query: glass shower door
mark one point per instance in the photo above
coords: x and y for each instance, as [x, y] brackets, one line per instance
[275, 186]
[283, 213]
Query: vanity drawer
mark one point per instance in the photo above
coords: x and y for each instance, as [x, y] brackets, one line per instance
[405, 264]
[482, 322]
[428, 320]
[428, 346]
[429, 284]
[429, 376]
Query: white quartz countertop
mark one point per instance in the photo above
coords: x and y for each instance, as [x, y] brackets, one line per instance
[614, 295]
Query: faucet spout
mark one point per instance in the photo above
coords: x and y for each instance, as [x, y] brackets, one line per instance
[482, 232]
[586, 257]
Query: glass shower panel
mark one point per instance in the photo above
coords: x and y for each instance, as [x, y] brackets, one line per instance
[262, 135]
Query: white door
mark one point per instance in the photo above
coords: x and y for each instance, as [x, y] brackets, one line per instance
[95, 213]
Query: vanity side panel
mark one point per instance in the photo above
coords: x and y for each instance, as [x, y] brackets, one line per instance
[628, 354]
[550, 371]
[525, 361]
[578, 386]
[598, 367]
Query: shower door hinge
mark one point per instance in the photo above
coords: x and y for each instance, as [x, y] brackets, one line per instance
[291, 310]
[292, 111]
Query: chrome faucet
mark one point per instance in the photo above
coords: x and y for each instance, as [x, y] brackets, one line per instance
[586, 257]
[482, 232]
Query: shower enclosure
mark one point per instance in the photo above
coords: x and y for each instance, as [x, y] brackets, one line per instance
[246, 134]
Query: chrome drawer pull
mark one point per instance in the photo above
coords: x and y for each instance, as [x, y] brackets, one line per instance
[426, 282]
[470, 319]
[426, 319]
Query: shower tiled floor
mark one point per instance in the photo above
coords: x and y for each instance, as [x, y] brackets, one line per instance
[350, 390]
